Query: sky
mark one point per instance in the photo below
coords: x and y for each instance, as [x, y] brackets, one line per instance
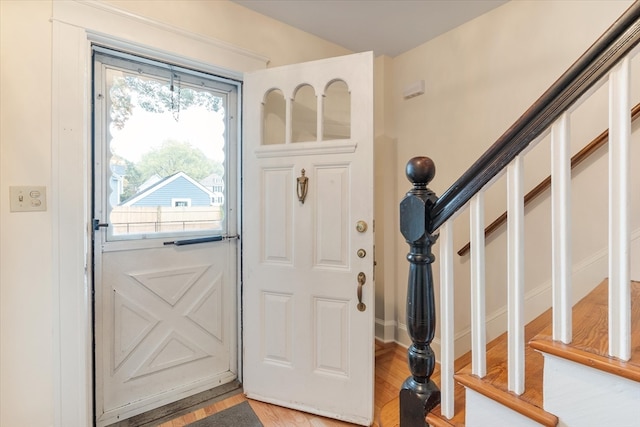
[145, 130]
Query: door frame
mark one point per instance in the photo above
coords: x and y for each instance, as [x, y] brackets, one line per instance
[75, 26]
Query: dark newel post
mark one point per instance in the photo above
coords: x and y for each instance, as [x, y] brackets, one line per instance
[419, 394]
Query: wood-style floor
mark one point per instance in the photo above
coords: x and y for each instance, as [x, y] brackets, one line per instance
[391, 371]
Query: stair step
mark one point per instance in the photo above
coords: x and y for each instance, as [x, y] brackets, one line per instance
[494, 384]
[591, 337]
[589, 346]
[436, 419]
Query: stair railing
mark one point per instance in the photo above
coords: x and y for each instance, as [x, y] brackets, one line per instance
[422, 214]
[582, 155]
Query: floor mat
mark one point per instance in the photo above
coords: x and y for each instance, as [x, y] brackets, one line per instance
[240, 415]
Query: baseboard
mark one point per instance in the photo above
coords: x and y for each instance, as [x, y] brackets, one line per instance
[385, 330]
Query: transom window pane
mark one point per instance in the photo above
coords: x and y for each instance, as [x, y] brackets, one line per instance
[304, 120]
[274, 118]
[304, 114]
[337, 111]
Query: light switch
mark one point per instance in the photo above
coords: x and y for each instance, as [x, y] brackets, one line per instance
[28, 199]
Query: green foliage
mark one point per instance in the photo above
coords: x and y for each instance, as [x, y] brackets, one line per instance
[121, 106]
[132, 177]
[176, 156]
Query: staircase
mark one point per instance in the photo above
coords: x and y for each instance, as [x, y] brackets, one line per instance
[575, 365]
[567, 382]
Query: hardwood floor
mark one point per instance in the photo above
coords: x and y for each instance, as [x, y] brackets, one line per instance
[391, 371]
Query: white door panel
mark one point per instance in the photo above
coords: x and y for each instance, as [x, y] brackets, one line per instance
[306, 344]
[162, 313]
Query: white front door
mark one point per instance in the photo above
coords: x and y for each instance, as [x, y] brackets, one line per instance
[165, 256]
[308, 289]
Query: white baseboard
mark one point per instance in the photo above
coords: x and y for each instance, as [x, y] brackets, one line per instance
[385, 330]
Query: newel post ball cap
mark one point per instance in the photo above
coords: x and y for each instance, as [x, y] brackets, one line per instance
[420, 170]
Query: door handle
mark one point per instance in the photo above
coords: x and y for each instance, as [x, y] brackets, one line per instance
[97, 224]
[194, 241]
[362, 279]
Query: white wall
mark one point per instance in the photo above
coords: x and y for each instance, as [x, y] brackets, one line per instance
[480, 78]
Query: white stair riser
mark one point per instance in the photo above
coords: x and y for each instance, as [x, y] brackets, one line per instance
[585, 397]
[484, 412]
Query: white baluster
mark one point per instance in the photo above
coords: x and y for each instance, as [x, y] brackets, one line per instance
[561, 229]
[447, 356]
[478, 318]
[515, 274]
[619, 238]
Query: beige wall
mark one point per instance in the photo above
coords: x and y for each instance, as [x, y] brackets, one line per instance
[26, 362]
[479, 78]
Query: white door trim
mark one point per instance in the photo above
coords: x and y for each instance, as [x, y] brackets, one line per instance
[75, 26]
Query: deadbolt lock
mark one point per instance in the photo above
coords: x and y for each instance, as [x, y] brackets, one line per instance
[361, 253]
[361, 226]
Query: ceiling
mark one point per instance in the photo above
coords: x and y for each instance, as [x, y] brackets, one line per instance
[387, 27]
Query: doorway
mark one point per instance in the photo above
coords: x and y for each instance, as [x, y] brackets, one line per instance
[165, 227]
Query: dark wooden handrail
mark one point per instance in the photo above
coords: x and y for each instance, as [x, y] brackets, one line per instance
[612, 46]
[578, 158]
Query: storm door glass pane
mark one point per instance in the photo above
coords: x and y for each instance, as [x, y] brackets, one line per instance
[166, 154]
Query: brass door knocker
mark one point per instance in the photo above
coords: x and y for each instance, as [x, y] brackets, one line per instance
[303, 182]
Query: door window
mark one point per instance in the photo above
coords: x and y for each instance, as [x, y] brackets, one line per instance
[314, 118]
[304, 116]
[165, 165]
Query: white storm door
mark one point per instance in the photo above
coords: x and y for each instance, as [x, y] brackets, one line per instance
[165, 274]
[306, 343]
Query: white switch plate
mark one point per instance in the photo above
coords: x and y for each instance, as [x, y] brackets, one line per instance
[28, 199]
